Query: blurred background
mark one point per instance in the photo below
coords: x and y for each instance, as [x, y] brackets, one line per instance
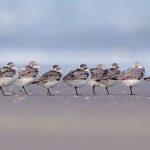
[69, 33]
[73, 32]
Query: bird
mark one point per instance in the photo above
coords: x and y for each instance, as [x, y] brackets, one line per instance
[78, 77]
[109, 77]
[96, 74]
[8, 75]
[132, 76]
[51, 78]
[28, 75]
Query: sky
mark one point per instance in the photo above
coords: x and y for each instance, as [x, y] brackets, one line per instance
[74, 32]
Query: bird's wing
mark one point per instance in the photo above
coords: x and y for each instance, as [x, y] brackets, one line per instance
[131, 73]
[97, 74]
[7, 72]
[111, 74]
[50, 76]
[77, 74]
[28, 72]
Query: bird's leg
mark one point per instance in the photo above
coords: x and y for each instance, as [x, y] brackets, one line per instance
[76, 91]
[2, 91]
[131, 90]
[93, 90]
[24, 90]
[49, 92]
[107, 90]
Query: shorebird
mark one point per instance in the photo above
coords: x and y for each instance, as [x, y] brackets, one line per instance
[8, 75]
[28, 75]
[96, 75]
[51, 78]
[110, 77]
[132, 76]
[78, 78]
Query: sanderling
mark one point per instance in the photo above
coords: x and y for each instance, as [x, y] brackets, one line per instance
[51, 78]
[78, 78]
[132, 76]
[28, 74]
[110, 77]
[96, 75]
[8, 75]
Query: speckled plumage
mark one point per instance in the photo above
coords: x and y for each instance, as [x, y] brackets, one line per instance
[131, 74]
[97, 74]
[7, 72]
[28, 72]
[28, 75]
[110, 77]
[8, 75]
[111, 74]
[50, 76]
[77, 74]
[78, 78]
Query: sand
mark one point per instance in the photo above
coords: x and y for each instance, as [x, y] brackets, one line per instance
[68, 122]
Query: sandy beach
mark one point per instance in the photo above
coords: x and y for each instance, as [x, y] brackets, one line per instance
[68, 122]
[46, 40]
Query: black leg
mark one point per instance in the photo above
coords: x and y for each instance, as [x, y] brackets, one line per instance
[131, 90]
[2, 91]
[76, 91]
[93, 90]
[24, 90]
[49, 91]
[107, 90]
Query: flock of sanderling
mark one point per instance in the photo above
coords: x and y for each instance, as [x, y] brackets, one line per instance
[99, 76]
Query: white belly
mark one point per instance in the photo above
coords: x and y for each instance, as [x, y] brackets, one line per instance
[26, 81]
[50, 84]
[6, 81]
[76, 83]
[93, 83]
[108, 83]
[130, 82]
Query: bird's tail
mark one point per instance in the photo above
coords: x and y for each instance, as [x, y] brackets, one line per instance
[147, 78]
[35, 82]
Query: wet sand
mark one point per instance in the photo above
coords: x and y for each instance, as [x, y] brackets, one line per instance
[68, 122]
